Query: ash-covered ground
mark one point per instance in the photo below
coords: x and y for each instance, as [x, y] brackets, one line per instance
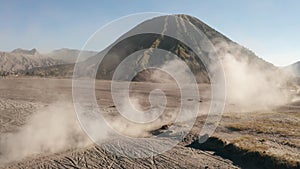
[39, 129]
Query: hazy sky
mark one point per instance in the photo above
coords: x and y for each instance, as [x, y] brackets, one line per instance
[270, 28]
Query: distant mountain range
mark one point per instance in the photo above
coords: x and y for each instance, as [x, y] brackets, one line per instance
[20, 59]
[25, 61]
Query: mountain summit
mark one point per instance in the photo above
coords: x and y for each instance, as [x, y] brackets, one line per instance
[24, 51]
[132, 42]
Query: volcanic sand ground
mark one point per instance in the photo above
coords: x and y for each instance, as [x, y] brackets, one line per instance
[264, 137]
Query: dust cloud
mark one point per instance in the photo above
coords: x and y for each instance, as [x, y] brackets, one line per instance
[174, 71]
[49, 130]
[251, 83]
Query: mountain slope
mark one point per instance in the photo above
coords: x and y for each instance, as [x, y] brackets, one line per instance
[294, 68]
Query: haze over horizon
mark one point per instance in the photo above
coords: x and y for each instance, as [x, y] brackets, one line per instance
[270, 29]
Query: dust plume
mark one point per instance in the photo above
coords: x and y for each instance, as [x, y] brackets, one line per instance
[173, 69]
[49, 130]
[252, 84]
[137, 120]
